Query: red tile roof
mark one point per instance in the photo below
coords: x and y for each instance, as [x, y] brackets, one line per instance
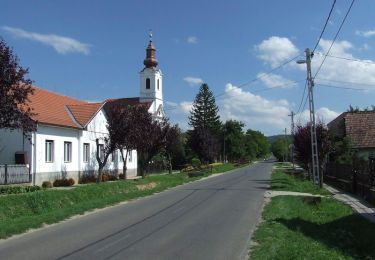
[50, 107]
[85, 112]
[359, 126]
[55, 109]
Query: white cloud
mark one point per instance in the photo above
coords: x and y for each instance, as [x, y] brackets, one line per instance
[343, 70]
[268, 116]
[193, 81]
[323, 114]
[366, 34]
[180, 112]
[274, 80]
[61, 44]
[192, 40]
[275, 50]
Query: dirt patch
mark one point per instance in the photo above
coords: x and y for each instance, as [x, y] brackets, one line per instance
[147, 186]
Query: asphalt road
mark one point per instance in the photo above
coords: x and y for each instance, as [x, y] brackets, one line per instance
[208, 219]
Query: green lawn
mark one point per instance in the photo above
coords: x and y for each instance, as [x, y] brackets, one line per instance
[297, 182]
[295, 229]
[20, 212]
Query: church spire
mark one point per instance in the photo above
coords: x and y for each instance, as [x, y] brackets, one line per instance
[150, 61]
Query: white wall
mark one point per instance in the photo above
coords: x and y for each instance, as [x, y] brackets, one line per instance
[10, 143]
[56, 169]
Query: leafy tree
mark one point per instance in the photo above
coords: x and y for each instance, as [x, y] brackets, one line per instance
[179, 153]
[206, 125]
[15, 90]
[302, 144]
[256, 144]
[234, 140]
[172, 143]
[104, 147]
[343, 151]
[280, 149]
[204, 144]
[122, 126]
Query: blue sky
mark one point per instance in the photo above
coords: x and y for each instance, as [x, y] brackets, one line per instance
[94, 50]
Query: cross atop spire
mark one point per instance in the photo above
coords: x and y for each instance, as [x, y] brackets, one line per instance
[150, 61]
[150, 34]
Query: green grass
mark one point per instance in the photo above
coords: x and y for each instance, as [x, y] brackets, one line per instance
[294, 182]
[293, 229]
[20, 212]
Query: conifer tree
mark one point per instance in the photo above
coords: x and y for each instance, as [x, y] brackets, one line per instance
[204, 118]
[204, 113]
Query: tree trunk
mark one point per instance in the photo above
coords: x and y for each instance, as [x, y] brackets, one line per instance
[169, 163]
[124, 165]
[100, 174]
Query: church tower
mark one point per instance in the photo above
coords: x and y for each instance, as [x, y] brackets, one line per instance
[151, 81]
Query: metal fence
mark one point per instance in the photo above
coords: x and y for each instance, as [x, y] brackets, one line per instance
[14, 174]
[358, 178]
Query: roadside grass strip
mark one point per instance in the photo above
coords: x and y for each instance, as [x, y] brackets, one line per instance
[294, 227]
[21, 212]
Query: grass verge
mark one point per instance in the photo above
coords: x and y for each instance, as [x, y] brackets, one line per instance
[293, 228]
[20, 212]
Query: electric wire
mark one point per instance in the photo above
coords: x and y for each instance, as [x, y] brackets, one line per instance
[334, 39]
[325, 25]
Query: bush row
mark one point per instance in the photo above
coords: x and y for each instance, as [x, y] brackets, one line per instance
[18, 189]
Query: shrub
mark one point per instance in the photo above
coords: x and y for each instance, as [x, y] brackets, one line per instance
[196, 163]
[108, 177]
[46, 185]
[87, 179]
[63, 182]
[121, 176]
[18, 189]
[187, 168]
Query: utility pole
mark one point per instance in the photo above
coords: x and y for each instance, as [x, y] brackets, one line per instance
[314, 143]
[292, 133]
[224, 146]
[287, 148]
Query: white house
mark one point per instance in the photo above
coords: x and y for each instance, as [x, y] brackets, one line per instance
[64, 142]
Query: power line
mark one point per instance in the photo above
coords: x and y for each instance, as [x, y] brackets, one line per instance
[255, 91]
[270, 88]
[325, 25]
[348, 82]
[303, 96]
[266, 74]
[351, 59]
[339, 87]
[334, 39]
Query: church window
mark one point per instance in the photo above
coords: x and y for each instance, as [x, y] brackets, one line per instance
[158, 84]
[148, 83]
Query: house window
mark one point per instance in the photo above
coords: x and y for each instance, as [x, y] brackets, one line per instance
[86, 152]
[148, 83]
[67, 151]
[130, 156]
[158, 84]
[101, 152]
[49, 150]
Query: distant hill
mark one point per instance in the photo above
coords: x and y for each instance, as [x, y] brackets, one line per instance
[273, 138]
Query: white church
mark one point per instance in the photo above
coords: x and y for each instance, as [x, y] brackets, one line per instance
[64, 142]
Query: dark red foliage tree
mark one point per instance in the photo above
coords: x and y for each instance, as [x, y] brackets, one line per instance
[123, 123]
[172, 135]
[15, 90]
[302, 144]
